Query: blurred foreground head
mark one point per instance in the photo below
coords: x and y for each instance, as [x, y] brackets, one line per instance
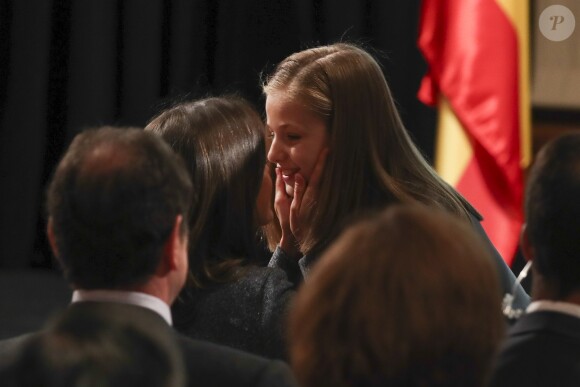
[407, 298]
[81, 348]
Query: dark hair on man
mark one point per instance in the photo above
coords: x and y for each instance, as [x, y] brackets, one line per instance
[81, 348]
[222, 140]
[113, 202]
[552, 207]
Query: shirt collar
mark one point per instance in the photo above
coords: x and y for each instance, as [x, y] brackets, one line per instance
[554, 306]
[134, 298]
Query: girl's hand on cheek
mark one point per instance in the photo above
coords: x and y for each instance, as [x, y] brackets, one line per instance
[305, 197]
[282, 203]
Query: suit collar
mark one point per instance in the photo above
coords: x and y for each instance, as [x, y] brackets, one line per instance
[547, 321]
[124, 297]
[555, 306]
[100, 309]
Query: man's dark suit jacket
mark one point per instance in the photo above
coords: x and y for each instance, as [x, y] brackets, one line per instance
[542, 349]
[207, 364]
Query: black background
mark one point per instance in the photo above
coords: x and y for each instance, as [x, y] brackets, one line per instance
[70, 64]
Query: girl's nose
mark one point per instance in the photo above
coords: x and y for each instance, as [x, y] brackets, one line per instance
[276, 152]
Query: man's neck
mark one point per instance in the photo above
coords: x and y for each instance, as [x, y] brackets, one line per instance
[549, 291]
[572, 298]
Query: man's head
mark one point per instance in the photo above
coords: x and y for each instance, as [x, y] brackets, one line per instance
[552, 234]
[115, 205]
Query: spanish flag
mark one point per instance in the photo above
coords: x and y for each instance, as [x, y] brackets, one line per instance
[477, 54]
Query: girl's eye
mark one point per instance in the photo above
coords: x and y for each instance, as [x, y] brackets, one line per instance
[293, 137]
[270, 134]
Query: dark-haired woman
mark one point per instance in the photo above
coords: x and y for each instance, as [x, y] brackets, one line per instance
[231, 298]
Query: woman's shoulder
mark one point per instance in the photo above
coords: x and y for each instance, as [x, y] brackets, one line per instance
[242, 297]
[264, 280]
[244, 314]
[254, 281]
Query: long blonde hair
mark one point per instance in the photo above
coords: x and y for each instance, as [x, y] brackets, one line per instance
[372, 161]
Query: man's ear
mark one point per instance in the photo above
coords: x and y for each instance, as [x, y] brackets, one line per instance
[173, 250]
[51, 237]
[527, 249]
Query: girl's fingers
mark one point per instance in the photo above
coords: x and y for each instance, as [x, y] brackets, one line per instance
[279, 183]
[299, 189]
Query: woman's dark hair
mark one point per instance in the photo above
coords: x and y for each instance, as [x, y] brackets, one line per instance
[222, 141]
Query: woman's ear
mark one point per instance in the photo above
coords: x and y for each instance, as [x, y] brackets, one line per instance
[527, 249]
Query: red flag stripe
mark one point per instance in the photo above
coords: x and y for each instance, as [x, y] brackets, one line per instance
[472, 50]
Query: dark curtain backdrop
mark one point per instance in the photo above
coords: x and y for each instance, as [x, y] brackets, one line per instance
[70, 64]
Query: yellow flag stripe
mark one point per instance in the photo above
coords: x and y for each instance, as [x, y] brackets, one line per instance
[518, 13]
[452, 149]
